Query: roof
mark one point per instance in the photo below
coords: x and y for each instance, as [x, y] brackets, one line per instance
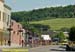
[50, 32]
[2, 1]
[66, 32]
[6, 6]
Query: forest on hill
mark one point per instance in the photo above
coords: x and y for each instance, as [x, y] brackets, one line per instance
[45, 13]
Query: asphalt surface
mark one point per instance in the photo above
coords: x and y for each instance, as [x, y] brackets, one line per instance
[49, 48]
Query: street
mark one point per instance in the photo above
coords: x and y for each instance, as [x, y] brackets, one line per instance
[50, 48]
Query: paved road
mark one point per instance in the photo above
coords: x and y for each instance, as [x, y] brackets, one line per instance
[51, 48]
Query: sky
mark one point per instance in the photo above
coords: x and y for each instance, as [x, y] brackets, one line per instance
[21, 5]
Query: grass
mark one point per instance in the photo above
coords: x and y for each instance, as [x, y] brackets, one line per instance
[58, 23]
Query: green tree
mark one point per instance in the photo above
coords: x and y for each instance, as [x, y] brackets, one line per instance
[65, 29]
[61, 36]
[72, 34]
[45, 13]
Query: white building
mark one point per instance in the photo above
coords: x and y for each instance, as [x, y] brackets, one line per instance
[5, 14]
[46, 37]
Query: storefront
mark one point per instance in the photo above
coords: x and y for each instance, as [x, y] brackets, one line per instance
[1, 37]
[5, 16]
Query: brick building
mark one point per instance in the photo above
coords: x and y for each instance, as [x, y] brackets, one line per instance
[17, 34]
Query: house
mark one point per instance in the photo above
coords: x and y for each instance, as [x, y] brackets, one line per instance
[17, 34]
[46, 37]
[32, 38]
[66, 34]
[5, 16]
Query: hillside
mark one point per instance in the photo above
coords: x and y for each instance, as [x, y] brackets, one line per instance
[57, 23]
[45, 13]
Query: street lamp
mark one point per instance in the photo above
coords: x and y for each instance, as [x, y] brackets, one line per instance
[27, 37]
[9, 29]
[27, 32]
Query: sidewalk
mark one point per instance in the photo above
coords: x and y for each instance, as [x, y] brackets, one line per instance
[13, 49]
[6, 46]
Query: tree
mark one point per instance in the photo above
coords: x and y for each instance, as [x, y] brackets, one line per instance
[65, 29]
[72, 34]
[60, 36]
[45, 13]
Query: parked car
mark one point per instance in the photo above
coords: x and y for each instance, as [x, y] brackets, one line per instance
[70, 46]
[65, 42]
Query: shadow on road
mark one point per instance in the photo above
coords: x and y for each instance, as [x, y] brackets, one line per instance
[56, 50]
[62, 47]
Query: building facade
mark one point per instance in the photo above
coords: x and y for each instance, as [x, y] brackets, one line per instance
[5, 16]
[17, 34]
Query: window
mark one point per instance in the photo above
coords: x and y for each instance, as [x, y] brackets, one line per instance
[0, 15]
[30, 38]
[17, 33]
[9, 18]
[18, 26]
[11, 23]
[7, 23]
[4, 17]
[13, 32]
[22, 34]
